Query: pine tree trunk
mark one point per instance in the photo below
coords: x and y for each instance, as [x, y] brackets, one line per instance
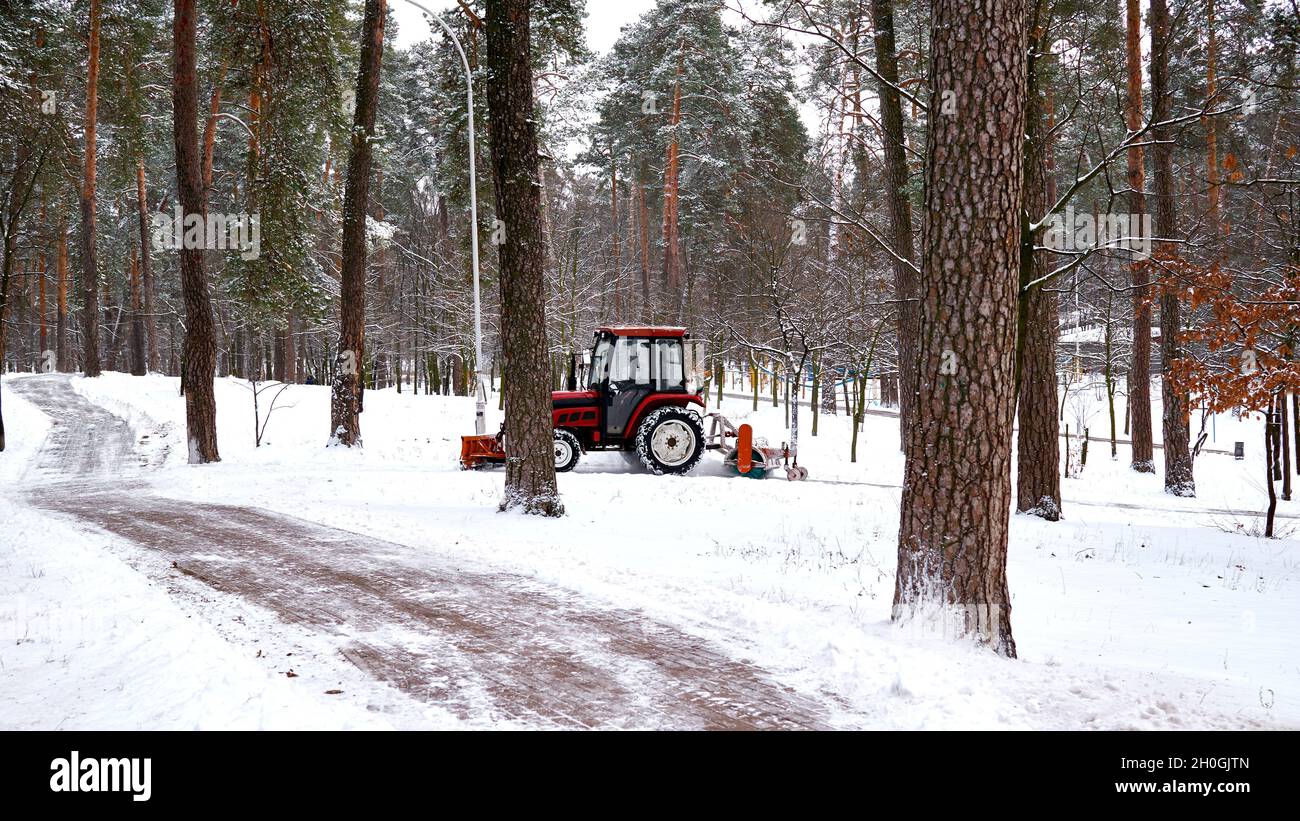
[200, 352]
[530, 462]
[146, 270]
[775, 383]
[1275, 431]
[1269, 424]
[1110, 404]
[42, 235]
[952, 543]
[89, 267]
[290, 350]
[1295, 429]
[839, 140]
[210, 130]
[61, 354]
[859, 396]
[900, 210]
[613, 218]
[643, 242]
[889, 386]
[345, 403]
[1177, 446]
[1285, 442]
[816, 395]
[459, 375]
[672, 242]
[138, 363]
[277, 355]
[111, 324]
[1211, 131]
[1140, 368]
[1038, 480]
[7, 279]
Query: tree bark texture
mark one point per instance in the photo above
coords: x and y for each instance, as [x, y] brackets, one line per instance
[900, 210]
[89, 266]
[1177, 446]
[957, 481]
[1143, 460]
[146, 270]
[345, 403]
[1038, 480]
[530, 461]
[139, 367]
[199, 356]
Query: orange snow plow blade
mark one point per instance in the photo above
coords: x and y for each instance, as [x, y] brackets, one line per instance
[476, 451]
[745, 449]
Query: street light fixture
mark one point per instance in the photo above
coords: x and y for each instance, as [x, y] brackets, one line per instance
[480, 404]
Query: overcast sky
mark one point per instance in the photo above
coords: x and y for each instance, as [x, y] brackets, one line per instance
[604, 19]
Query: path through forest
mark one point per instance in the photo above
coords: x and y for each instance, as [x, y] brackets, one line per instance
[528, 652]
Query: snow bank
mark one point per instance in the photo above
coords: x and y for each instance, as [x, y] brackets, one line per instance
[25, 429]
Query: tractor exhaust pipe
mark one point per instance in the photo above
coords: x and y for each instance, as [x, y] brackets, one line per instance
[572, 382]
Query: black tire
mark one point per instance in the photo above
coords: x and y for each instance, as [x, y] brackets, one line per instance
[567, 451]
[670, 441]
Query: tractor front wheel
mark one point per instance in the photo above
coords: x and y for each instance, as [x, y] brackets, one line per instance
[567, 451]
[670, 440]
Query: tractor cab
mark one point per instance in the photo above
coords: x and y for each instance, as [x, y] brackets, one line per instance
[628, 366]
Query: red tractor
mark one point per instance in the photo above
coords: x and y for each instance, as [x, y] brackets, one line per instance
[637, 388]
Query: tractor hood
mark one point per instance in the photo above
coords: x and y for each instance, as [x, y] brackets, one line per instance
[573, 399]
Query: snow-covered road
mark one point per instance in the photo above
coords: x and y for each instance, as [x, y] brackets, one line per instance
[479, 645]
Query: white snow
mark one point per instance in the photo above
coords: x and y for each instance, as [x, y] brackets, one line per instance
[1148, 616]
[88, 643]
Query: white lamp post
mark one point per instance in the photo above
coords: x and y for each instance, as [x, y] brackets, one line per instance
[480, 405]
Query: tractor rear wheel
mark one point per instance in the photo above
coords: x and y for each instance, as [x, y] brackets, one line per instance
[670, 440]
[567, 451]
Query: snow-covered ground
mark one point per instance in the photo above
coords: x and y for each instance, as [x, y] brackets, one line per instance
[88, 643]
[1138, 610]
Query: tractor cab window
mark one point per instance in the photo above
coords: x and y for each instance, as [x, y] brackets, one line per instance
[600, 362]
[669, 369]
[631, 362]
